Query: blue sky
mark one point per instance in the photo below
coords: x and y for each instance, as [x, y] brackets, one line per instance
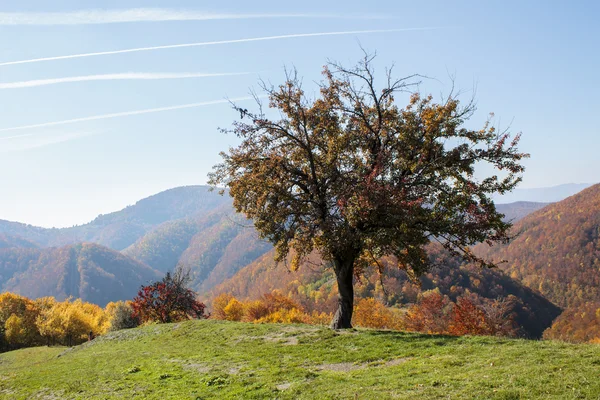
[534, 64]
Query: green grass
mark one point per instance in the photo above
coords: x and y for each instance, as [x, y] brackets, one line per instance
[220, 360]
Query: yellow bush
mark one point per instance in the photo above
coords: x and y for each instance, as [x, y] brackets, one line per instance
[219, 303]
[255, 310]
[71, 322]
[234, 310]
[370, 313]
[17, 319]
[284, 316]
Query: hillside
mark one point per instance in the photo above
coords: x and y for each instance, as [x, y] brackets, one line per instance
[516, 211]
[120, 229]
[88, 271]
[214, 247]
[228, 360]
[8, 241]
[558, 250]
[313, 286]
[188, 225]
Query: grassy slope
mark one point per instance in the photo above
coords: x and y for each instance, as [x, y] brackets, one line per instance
[213, 359]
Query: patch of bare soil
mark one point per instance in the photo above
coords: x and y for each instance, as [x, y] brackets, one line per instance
[284, 386]
[197, 367]
[47, 394]
[396, 361]
[340, 367]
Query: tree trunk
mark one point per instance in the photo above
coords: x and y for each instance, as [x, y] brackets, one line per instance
[344, 272]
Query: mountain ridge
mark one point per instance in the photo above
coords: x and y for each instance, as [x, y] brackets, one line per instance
[88, 271]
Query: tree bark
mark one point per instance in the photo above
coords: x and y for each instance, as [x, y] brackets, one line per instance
[344, 272]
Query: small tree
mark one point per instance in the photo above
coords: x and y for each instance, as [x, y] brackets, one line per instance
[355, 177]
[430, 315]
[168, 300]
[121, 315]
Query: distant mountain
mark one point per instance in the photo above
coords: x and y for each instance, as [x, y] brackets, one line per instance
[120, 229]
[214, 247]
[88, 271]
[313, 286]
[557, 252]
[7, 241]
[515, 211]
[542, 195]
[188, 225]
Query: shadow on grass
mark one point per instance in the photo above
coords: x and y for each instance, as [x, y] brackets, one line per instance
[410, 336]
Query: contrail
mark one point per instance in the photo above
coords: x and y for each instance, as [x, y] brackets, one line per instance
[124, 114]
[110, 77]
[44, 141]
[175, 46]
[17, 136]
[99, 16]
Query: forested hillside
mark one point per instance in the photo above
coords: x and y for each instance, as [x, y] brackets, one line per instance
[88, 271]
[557, 252]
[7, 241]
[213, 247]
[313, 286]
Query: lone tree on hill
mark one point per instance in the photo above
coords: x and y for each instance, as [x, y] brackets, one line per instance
[354, 177]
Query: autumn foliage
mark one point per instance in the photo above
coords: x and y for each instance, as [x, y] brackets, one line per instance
[469, 315]
[577, 324]
[168, 300]
[434, 313]
[270, 307]
[370, 313]
[25, 322]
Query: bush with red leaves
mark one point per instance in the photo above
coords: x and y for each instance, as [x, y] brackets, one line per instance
[168, 300]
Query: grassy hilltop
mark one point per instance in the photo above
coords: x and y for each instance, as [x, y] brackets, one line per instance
[216, 359]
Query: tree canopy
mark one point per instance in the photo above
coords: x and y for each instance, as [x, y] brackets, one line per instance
[354, 176]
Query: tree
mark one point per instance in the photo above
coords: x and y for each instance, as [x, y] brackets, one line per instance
[70, 322]
[355, 177]
[120, 315]
[430, 315]
[168, 300]
[17, 321]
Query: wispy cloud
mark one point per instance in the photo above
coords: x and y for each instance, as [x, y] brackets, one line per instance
[99, 16]
[111, 77]
[123, 114]
[32, 141]
[214, 43]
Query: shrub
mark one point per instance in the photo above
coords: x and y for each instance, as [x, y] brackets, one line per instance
[168, 300]
[234, 310]
[70, 322]
[370, 313]
[430, 315]
[218, 305]
[121, 316]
